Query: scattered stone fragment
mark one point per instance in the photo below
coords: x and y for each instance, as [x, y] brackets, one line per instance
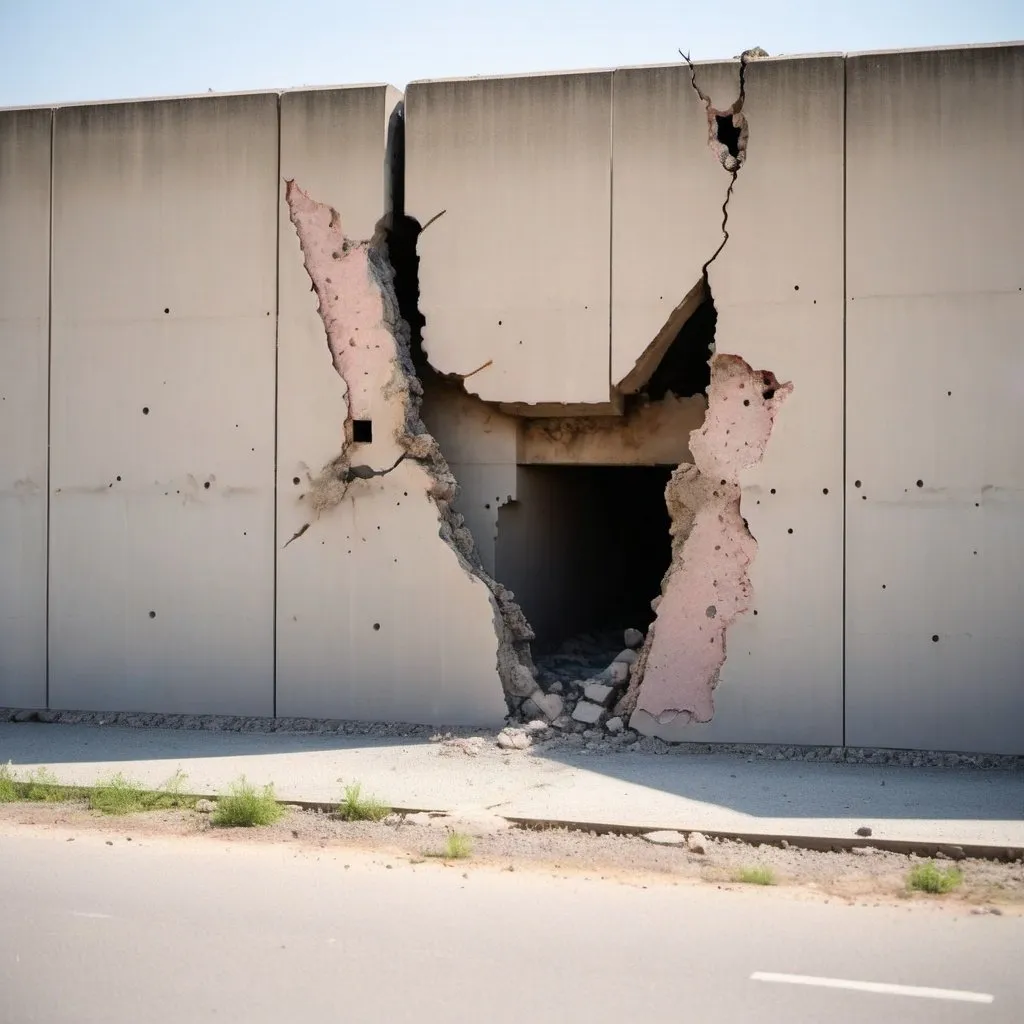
[555, 688]
[862, 851]
[26, 716]
[513, 739]
[536, 726]
[633, 638]
[953, 852]
[666, 837]
[543, 705]
[562, 722]
[627, 657]
[587, 712]
[614, 725]
[696, 843]
[616, 673]
[864, 831]
[599, 693]
[521, 682]
[206, 806]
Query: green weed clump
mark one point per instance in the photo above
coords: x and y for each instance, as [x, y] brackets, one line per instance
[244, 806]
[119, 795]
[10, 790]
[756, 876]
[458, 846]
[41, 786]
[356, 807]
[931, 878]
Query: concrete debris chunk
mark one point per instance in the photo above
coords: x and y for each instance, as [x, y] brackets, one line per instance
[616, 673]
[599, 693]
[665, 837]
[513, 739]
[521, 682]
[614, 725]
[696, 843]
[587, 712]
[536, 726]
[543, 705]
[633, 637]
[864, 831]
[627, 657]
[206, 806]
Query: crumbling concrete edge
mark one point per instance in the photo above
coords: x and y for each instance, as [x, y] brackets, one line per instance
[513, 634]
[712, 546]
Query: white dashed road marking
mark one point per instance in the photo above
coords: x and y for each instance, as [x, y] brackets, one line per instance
[882, 988]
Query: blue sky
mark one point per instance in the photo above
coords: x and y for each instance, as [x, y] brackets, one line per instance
[54, 51]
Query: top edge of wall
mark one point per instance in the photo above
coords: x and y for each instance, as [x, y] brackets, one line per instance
[770, 59]
[572, 72]
[201, 96]
[949, 48]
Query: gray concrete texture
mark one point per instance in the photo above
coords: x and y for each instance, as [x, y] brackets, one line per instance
[871, 259]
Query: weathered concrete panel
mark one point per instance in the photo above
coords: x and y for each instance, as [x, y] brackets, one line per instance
[162, 465]
[24, 341]
[377, 620]
[516, 270]
[935, 403]
[778, 288]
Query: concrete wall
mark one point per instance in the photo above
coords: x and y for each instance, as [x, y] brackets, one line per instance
[162, 405]
[521, 168]
[376, 619]
[24, 351]
[935, 399]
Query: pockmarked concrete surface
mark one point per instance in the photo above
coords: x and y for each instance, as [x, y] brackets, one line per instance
[716, 792]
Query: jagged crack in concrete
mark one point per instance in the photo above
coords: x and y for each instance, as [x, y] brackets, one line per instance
[368, 341]
[706, 586]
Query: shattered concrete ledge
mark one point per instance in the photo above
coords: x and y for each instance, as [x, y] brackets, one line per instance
[354, 284]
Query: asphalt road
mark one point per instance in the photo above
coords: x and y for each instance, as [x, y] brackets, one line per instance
[189, 930]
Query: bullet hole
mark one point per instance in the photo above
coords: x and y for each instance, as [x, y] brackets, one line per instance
[145, 410]
[768, 394]
[711, 611]
[772, 491]
[755, 611]
[728, 134]
[167, 309]
[118, 479]
[796, 287]
[376, 626]
[405, 493]
[245, 533]
[152, 615]
[949, 393]
[296, 481]
[487, 504]
[207, 485]
[920, 483]
[499, 323]
[856, 483]
[824, 490]
[790, 530]
[746, 401]
[362, 431]
[935, 638]
[977, 504]
[883, 586]
[863, 497]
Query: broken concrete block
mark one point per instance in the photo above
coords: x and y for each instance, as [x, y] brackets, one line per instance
[616, 673]
[587, 712]
[614, 725]
[521, 682]
[561, 722]
[627, 657]
[536, 726]
[665, 837]
[513, 739]
[633, 637]
[696, 843]
[543, 705]
[599, 693]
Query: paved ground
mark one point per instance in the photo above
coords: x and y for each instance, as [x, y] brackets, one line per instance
[706, 792]
[175, 930]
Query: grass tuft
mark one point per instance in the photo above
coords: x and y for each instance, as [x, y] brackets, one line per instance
[458, 846]
[356, 807]
[930, 878]
[10, 788]
[116, 795]
[245, 806]
[42, 785]
[756, 876]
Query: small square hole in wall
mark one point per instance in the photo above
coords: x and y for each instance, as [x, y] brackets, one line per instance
[362, 431]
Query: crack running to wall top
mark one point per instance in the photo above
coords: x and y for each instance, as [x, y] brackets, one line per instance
[706, 586]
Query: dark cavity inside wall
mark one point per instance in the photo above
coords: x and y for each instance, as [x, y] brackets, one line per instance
[584, 548]
[685, 369]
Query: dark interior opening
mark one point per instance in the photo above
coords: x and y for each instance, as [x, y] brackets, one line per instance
[728, 134]
[362, 431]
[585, 548]
[686, 368]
